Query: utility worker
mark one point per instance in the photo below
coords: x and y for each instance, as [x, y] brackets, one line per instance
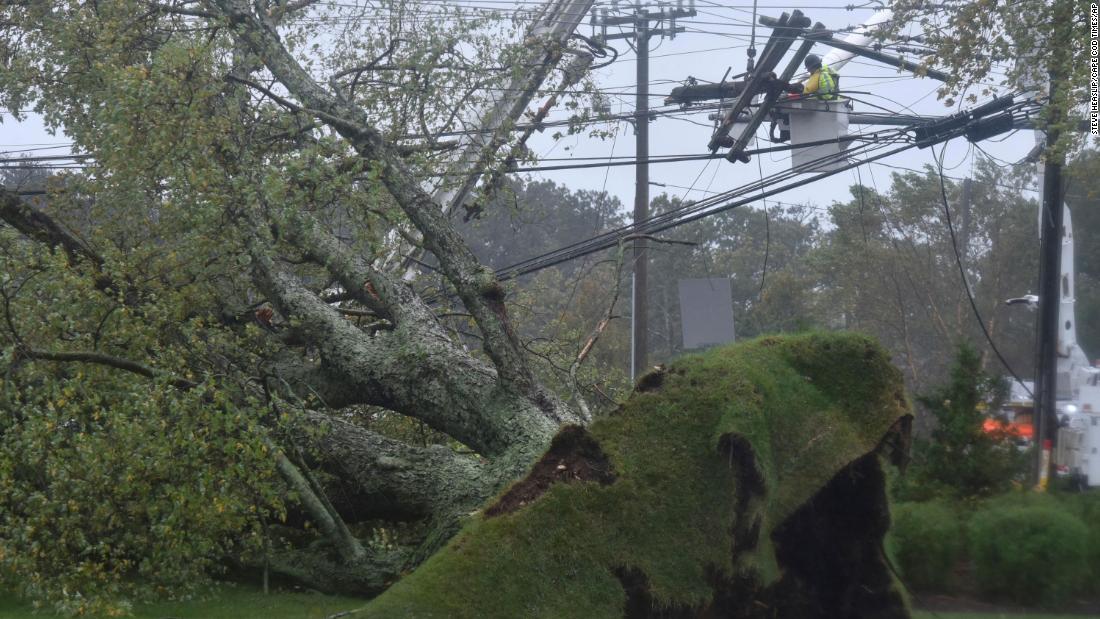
[823, 81]
[822, 84]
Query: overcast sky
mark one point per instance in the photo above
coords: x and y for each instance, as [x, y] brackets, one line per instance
[717, 38]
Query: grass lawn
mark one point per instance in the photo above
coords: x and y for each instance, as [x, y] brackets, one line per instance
[245, 603]
[230, 603]
[919, 614]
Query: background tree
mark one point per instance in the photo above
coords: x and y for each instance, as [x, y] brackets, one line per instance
[572, 310]
[888, 267]
[961, 459]
[750, 251]
[1036, 44]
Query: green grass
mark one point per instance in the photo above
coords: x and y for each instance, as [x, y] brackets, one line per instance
[229, 603]
[238, 603]
[917, 614]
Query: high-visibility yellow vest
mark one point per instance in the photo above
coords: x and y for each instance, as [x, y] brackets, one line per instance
[826, 88]
[822, 84]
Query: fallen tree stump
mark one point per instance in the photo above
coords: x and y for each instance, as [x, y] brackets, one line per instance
[744, 482]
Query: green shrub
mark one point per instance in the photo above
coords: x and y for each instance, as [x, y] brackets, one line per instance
[1029, 554]
[926, 542]
[1083, 505]
[960, 460]
[1086, 506]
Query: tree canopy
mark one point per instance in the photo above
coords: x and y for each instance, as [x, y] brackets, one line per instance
[1033, 46]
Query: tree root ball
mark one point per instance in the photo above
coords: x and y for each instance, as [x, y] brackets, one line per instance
[744, 482]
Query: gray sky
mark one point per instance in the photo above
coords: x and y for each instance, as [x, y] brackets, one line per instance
[716, 38]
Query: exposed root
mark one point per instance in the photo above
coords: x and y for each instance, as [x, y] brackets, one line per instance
[574, 456]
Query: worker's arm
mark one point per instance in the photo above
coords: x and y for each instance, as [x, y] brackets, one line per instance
[812, 84]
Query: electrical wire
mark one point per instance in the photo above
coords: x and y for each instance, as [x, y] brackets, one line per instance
[596, 162]
[695, 210]
[872, 151]
[962, 275]
[882, 136]
[767, 224]
[954, 178]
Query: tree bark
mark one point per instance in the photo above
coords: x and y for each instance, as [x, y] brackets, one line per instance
[405, 372]
[395, 481]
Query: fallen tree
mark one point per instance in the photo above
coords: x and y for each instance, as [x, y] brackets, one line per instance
[238, 237]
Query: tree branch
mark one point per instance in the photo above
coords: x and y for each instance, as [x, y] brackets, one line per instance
[37, 225]
[285, 8]
[358, 71]
[475, 285]
[384, 296]
[177, 10]
[586, 348]
[414, 369]
[330, 523]
[96, 358]
[326, 518]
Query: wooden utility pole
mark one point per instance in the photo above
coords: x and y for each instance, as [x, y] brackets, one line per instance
[547, 36]
[641, 33]
[1050, 301]
[1051, 230]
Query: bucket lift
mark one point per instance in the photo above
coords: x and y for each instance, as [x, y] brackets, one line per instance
[1078, 397]
[762, 81]
[818, 128]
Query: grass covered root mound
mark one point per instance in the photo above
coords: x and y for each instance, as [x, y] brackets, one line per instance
[744, 482]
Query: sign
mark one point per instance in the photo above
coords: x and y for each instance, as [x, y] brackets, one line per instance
[706, 312]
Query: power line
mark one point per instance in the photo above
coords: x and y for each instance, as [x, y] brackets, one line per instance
[679, 216]
[595, 162]
[890, 135]
[965, 282]
[691, 212]
[955, 178]
[37, 158]
[716, 204]
[602, 162]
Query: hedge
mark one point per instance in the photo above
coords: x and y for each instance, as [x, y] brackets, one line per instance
[927, 542]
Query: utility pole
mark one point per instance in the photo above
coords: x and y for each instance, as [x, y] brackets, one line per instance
[1052, 232]
[640, 313]
[553, 25]
[547, 40]
[1050, 300]
[641, 32]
